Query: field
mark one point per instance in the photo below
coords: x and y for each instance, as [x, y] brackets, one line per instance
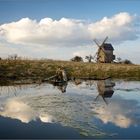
[36, 70]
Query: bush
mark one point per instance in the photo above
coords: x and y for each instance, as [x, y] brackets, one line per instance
[77, 59]
[126, 61]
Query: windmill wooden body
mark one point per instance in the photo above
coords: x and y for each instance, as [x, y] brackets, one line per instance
[105, 52]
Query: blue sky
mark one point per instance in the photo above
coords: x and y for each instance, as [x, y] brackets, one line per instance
[90, 11]
[82, 9]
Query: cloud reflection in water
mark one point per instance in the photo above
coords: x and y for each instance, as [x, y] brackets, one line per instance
[118, 112]
[75, 110]
[17, 109]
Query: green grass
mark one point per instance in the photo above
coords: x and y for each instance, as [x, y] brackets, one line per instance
[41, 69]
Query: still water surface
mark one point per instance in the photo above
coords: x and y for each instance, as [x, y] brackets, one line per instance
[80, 109]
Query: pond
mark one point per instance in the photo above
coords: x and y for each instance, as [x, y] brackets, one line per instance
[78, 109]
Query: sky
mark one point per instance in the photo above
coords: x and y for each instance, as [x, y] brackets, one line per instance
[61, 29]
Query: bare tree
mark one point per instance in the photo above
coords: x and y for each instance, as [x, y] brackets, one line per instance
[13, 57]
[89, 58]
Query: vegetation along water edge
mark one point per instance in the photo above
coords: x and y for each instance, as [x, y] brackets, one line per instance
[38, 70]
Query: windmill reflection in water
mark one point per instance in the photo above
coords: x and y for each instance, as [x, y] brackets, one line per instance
[61, 86]
[105, 89]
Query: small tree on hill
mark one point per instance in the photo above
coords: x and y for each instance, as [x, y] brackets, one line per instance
[89, 58]
[119, 60]
[77, 59]
[13, 57]
[126, 61]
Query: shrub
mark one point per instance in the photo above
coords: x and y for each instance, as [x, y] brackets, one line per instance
[77, 59]
[126, 61]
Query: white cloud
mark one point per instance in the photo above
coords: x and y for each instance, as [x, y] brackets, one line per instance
[61, 39]
[68, 32]
[119, 28]
[46, 32]
[82, 52]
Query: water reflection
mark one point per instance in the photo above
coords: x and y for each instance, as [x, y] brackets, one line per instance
[119, 112]
[15, 108]
[61, 86]
[105, 89]
[80, 108]
[15, 90]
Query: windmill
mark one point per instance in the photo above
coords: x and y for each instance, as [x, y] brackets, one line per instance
[104, 53]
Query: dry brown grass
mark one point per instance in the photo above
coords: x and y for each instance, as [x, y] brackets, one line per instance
[40, 69]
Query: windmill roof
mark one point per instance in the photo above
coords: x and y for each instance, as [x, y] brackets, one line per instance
[108, 46]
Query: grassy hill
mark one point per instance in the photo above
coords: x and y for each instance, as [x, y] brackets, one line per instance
[41, 69]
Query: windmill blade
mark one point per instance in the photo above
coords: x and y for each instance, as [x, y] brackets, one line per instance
[95, 55]
[104, 52]
[96, 97]
[105, 100]
[104, 40]
[96, 43]
[101, 48]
